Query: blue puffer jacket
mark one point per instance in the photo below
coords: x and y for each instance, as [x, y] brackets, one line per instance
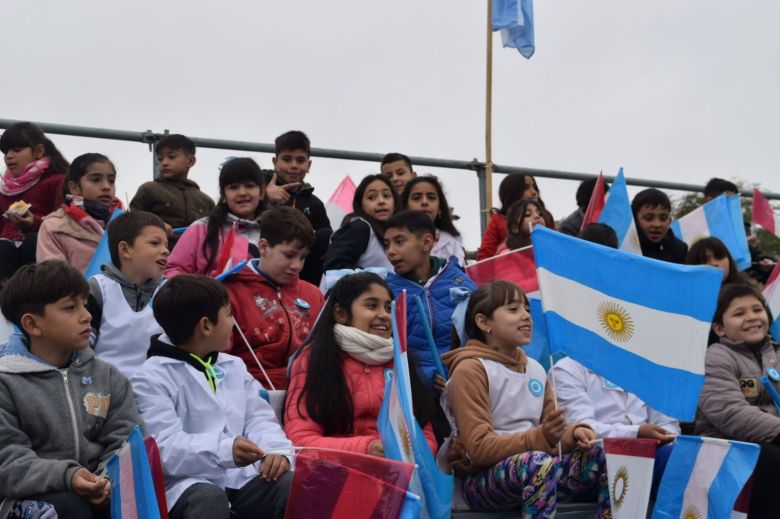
[435, 296]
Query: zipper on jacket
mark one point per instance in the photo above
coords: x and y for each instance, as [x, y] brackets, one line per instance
[73, 421]
[289, 321]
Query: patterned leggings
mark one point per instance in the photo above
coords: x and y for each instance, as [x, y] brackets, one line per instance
[529, 481]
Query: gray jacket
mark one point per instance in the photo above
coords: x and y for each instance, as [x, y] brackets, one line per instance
[54, 421]
[733, 403]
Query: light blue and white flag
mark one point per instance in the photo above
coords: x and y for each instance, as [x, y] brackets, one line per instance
[721, 218]
[515, 20]
[639, 322]
[618, 215]
[703, 478]
[101, 255]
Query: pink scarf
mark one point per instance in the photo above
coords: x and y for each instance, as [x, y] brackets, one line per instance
[13, 185]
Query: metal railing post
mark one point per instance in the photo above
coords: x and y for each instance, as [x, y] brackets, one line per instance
[484, 210]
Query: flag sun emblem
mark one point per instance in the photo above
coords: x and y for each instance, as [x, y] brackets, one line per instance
[616, 321]
[406, 440]
[692, 512]
[619, 487]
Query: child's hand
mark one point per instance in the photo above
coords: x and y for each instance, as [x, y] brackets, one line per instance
[245, 452]
[277, 195]
[274, 466]
[553, 426]
[90, 487]
[375, 448]
[439, 383]
[24, 223]
[583, 436]
[655, 432]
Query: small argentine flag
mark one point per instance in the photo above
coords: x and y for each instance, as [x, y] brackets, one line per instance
[638, 322]
[617, 214]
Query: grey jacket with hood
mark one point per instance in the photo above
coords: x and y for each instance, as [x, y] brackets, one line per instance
[54, 421]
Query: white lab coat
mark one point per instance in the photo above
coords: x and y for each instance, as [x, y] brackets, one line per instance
[195, 428]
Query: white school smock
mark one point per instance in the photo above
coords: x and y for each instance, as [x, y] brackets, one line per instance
[607, 408]
[374, 255]
[124, 334]
[516, 399]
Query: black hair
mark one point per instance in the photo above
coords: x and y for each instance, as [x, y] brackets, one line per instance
[416, 222]
[36, 285]
[444, 218]
[175, 142]
[285, 225]
[292, 141]
[126, 228]
[697, 255]
[651, 197]
[717, 186]
[395, 157]
[327, 398]
[600, 233]
[235, 171]
[29, 135]
[357, 202]
[78, 168]
[515, 217]
[511, 190]
[585, 192]
[487, 299]
[729, 293]
[184, 300]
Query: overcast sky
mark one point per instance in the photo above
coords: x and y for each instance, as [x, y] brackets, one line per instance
[672, 90]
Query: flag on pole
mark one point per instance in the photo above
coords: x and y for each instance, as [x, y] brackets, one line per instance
[618, 215]
[340, 202]
[772, 296]
[102, 255]
[703, 477]
[596, 204]
[716, 218]
[402, 437]
[515, 20]
[764, 215]
[224, 262]
[132, 486]
[630, 463]
[625, 317]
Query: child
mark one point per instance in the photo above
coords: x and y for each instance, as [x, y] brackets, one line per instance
[711, 251]
[119, 299]
[30, 188]
[652, 209]
[240, 204]
[172, 196]
[274, 309]
[287, 187]
[63, 413]
[426, 194]
[521, 217]
[733, 402]
[337, 382]
[398, 169]
[572, 224]
[222, 450]
[72, 232]
[507, 429]
[358, 244]
[409, 237]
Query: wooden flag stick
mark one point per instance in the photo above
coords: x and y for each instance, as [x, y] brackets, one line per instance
[489, 115]
[555, 402]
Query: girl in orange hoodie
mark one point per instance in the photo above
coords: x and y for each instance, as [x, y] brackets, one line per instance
[504, 447]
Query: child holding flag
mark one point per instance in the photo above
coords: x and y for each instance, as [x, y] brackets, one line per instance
[507, 427]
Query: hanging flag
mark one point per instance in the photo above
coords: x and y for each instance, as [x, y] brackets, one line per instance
[340, 202]
[133, 493]
[618, 215]
[402, 437]
[716, 219]
[515, 20]
[772, 296]
[102, 254]
[224, 261]
[331, 483]
[596, 204]
[625, 317]
[764, 215]
[703, 477]
[630, 463]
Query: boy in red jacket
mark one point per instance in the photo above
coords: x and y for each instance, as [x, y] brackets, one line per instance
[274, 309]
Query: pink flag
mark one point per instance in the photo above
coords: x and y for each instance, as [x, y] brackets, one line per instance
[340, 202]
[596, 204]
[517, 266]
[764, 215]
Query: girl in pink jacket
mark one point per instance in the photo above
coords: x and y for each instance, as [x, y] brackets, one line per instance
[232, 224]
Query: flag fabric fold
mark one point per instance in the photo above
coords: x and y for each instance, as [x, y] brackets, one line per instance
[618, 215]
[764, 215]
[515, 20]
[772, 296]
[639, 322]
[133, 492]
[340, 202]
[596, 204]
[102, 255]
[224, 261]
[630, 463]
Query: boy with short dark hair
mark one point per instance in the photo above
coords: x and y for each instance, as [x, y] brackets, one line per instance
[717, 186]
[572, 224]
[122, 320]
[286, 186]
[652, 213]
[205, 410]
[273, 308]
[172, 196]
[63, 413]
[409, 237]
[398, 168]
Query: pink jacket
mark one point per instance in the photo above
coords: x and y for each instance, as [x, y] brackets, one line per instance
[366, 384]
[60, 237]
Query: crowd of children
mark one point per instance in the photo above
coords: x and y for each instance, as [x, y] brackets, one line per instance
[186, 333]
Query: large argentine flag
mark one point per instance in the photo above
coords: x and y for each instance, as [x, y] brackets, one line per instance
[704, 477]
[638, 322]
[617, 214]
[721, 218]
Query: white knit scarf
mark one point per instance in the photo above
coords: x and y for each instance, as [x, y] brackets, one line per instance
[363, 346]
